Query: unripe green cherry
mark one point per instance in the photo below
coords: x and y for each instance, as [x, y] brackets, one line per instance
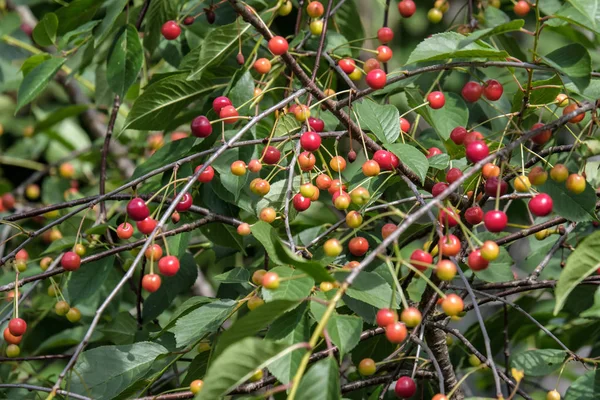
[254, 302]
[474, 361]
[575, 183]
[62, 308]
[332, 248]
[367, 367]
[257, 276]
[360, 196]
[354, 219]
[74, 315]
[12, 351]
[559, 173]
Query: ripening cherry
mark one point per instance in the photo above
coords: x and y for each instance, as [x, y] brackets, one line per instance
[407, 8]
[445, 270]
[453, 175]
[376, 79]
[575, 184]
[260, 186]
[370, 168]
[170, 30]
[411, 317]
[405, 387]
[492, 90]
[125, 231]
[386, 160]
[436, 100]
[201, 127]
[168, 265]
[229, 114]
[278, 45]
[384, 54]
[569, 109]
[448, 218]
[8, 201]
[358, 246]
[323, 181]
[537, 176]
[489, 250]
[385, 35]
[257, 276]
[196, 385]
[137, 209]
[438, 188]
[336, 186]
[449, 245]
[388, 229]
[267, 214]
[452, 305]
[354, 219]
[188, 20]
[360, 196]
[490, 170]
[17, 326]
[433, 151]
[307, 161]
[559, 173]
[308, 190]
[238, 168]
[271, 155]
[151, 282]
[522, 184]
[74, 315]
[243, 229]
[262, 66]
[474, 215]
[435, 16]
[70, 261]
[522, 8]
[270, 280]
[476, 262]
[153, 252]
[301, 113]
[396, 332]
[404, 125]
[316, 124]
[207, 175]
[337, 164]
[553, 395]
[221, 102]
[491, 187]
[185, 203]
[10, 338]
[316, 27]
[458, 135]
[310, 141]
[385, 317]
[495, 220]
[46, 261]
[300, 202]
[12, 351]
[472, 137]
[315, 9]
[543, 137]
[421, 259]
[371, 64]
[147, 225]
[347, 65]
[367, 367]
[477, 151]
[471, 92]
[22, 255]
[332, 248]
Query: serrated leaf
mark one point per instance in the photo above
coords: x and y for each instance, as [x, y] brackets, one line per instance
[236, 275]
[86, 282]
[411, 157]
[539, 96]
[344, 331]
[574, 61]
[201, 321]
[511, 26]
[573, 207]
[439, 161]
[125, 61]
[321, 382]
[44, 32]
[586, 387]
[372, 289]
[295, 285]
[36, 81]
[187, 307]
[583, 262]
[61, 244]
[540, 362]
[382, 120]
[75, 14]
[113, 10]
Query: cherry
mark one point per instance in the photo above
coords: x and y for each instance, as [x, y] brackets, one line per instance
[22, 255]
[66, 170]
[347, 65]
[17, 326]
[360, 196]
[307, 161]
[271, 155]
[125, 231]
[367, 367]
[8, 201]
[170, 30]
[396, 332]
[371, 168]
[438, 188]
[300, 202]
[285, 8]
[358, 246]
[278, 45]
[436, 99]
[522, 184]
[474, 215]
[453, 175]
[489, 250]
[446, 270]
[543, 137]
[371, 64]
[433, 151]
[270, 280]
[196, 386]
[452, 305]
[268, 214]
[476, 261]
[354, 219]
[316, 27]
[46, 261]
[421, 259]
[411, 317]
[404, 125]
[201, 127]
[448, 217]
[553, 395]
[337, 164]
[385, 35]
[302, 113]
[262, 66]
[74, 315]
[260, 186]
[495, 220]
[12, 351]
[326, 286]
[405, 386]
[559, 173]
[439, 396]
[492, 90]
[458, 135]
[188, 20]
[386, 317]
[154, 252]
[254, 166]
[61, 308]
[569, 109]
[332, 248]
[238, 168]
[10, 338]
[491, 187]
[471, 92]
[537, 176]
[175, 217]
[308, 190]
[147, 225]
[168, 265]
[310, 141]
[324, 182]
[434, 15]
[185, 203]
[257, 276]
[137, 209]
[315, 9]
[70, 261]
[207, 175]
[407, 8]
[575, 183]
[490, 170]
[151, 282]
[376, 79]
[449, 245]
[472, 137]
[386, 160]
[384, 54]
[522, 8]
[477, 151]
[317, 125]
[243, 229]
[387, 230]
[220, 102]
[229, 114]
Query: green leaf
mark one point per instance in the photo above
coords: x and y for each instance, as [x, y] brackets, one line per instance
[159, 12]
[345, 331]
[187, 307]
[583, 262]
[236, 275]
[197, 368]
[539, 96]
[161, 101]
[10, 23]
[411, 157]
[113, 10]
[321, 382]
[75, 14]
[125, 61]
[500, 269]
[237, 363]
[382, 120]
[540, 362]
[60, 115]
[511, 26]
[586, 387]
[573, 207]
[201, 321]
[295, 285]
[36, 81]
[574, 61]
[122, 329]
[447, 45]
[372, 289]
[217, 45]
[169, 153]
[439, 161]
[61, 244]
[86, 282]
[105, 372]
[44, 32]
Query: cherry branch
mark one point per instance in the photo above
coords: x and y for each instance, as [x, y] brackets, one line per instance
[538, 270]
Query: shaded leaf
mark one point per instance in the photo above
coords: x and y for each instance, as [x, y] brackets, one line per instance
[540, 362]
[447, 45]
[124, 61]
[321, 382]
[44, 32]
[36, 81]
[201, 321]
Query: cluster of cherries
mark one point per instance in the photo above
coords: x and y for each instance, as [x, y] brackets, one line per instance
[13, 334]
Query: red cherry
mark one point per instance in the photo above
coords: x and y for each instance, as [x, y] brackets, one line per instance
[453, 175]
[474, 215]
[438, 188]
[153, 252]
[495, 220]
[125, 231]
[477, 151]
[137, 209]
[347, 65]
[404, 125]
[70, 261]
[323, 181]
[300, 202]
[491, 186]
[188, 20]
[384, 54]
[433, 151]
[229, 114]
[358, 246]
[472, 137]
[476, 261]
[168, 265]
[436, 100]
[458, 135]
[407, 8]
[147, 225]
[385, 35]
[522, 8]
[388, 229]
[170, 30]
[471, 92]
[221, 102]
[201, 126]
[541, 205]
[419, 258]
[17, 326]
[151, 282]
[10, 338]
[185, 203]
[396, 332]
[405, 386]
[386, 317]
[492, 90]
[7, 201]
[543, 137]
[310, 141]
[386, 160]
[278, 45]
[207, 175]
[449, 245]
[262, 66]
[371, 168]
[317, 125]
[22, 255]
[376, 79]
[448, 218]
[271, 155]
